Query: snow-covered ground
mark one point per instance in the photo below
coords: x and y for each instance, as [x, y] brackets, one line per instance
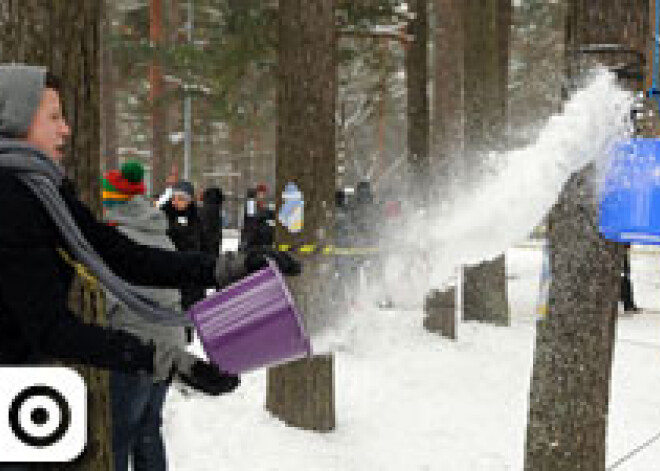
[408, 400]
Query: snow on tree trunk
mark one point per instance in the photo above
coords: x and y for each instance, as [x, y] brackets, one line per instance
[301, 393]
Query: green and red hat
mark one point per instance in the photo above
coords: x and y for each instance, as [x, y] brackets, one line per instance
[120, 186]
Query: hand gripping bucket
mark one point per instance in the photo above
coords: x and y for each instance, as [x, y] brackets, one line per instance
[630, 197]
[251, 324]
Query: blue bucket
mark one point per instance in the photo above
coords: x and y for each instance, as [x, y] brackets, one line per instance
[630, 197]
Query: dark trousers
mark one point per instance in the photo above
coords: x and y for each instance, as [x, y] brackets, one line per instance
[137, 405]
[626, 285]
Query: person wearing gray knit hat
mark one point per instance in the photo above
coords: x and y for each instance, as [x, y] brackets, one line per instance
[21, 89]
[46, 227]
[45, 219]
[30, 109]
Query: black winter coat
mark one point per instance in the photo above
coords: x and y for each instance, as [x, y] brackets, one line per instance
[185, 230]
[35, 322]
[184, 227]
[258, 230]
[210, 215]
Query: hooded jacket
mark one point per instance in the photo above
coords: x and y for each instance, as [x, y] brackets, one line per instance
[142, 223]
[35, 321]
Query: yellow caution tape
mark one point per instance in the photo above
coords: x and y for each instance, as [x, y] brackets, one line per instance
[330, 250]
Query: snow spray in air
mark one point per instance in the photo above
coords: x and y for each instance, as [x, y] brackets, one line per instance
[485, 218]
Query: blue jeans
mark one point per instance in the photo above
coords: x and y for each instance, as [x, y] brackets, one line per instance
[137, 405]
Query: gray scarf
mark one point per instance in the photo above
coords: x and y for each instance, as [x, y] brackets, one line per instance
[43, 176]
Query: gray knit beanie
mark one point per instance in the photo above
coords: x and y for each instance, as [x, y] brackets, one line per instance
[21, 88]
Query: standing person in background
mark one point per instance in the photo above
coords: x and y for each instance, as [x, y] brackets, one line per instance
[346, 278]
[210, 215]
[627, 297]
[259, 222]
[249, 218]
[184, 228]
[364, 222]
[137, 400]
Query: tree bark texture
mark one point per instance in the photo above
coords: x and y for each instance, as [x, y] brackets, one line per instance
[570, 386]
[302, 393]
[448, 92]
[440, 312]
[109, 144]
[64, 36]
[570, 383]
[159, 161]
[417, 77]
[485, 92]
[447, 136]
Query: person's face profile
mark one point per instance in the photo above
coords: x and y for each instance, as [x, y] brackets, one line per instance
[48, 131]
[180, 202]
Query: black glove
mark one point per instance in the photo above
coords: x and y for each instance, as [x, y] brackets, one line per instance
[232, 266]
[208, 379]
[256, 258]
[229, 268]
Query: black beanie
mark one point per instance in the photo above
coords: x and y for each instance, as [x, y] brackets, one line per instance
[183, 186]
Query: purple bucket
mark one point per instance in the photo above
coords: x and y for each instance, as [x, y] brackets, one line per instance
[251, 324]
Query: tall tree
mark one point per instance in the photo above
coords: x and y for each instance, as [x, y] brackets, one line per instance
[448, 89]
[534, 83]
[109, 81]
[302, 393]
[159, 167]
[485, 80]
[417, 77]
[64, 36]
[569, 396]
[448, 136]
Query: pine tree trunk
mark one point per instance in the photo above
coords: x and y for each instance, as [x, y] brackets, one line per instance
[159, 167]
[418, 102]
[109, 147]
[64, 36]
[448, 109]
[439, 306]
[569, 394]
[301, 393]
[484, 294]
